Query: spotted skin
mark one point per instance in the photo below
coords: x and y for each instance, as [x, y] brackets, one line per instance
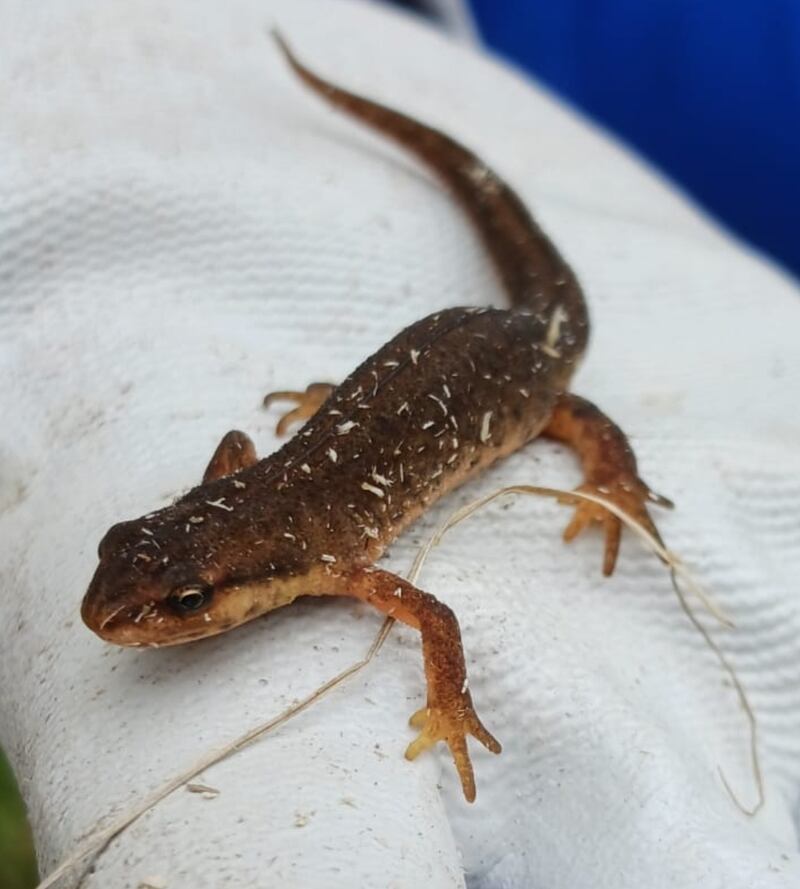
[438, 404]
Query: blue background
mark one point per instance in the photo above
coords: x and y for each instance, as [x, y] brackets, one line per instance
[709, 91]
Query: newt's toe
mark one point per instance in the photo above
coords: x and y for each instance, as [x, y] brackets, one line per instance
[308, 403]
[628, 494]
[452, 726]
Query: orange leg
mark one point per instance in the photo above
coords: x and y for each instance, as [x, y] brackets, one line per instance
[449, 715]
[236, 451]
[610, 468]
[308, 403]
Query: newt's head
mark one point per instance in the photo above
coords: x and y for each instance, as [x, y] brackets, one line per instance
[188, 571]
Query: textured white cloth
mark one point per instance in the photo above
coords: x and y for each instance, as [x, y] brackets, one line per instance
[183, 228]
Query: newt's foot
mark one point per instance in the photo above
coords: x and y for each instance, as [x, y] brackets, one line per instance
[452, 726]
[630, 494]
[308, 403]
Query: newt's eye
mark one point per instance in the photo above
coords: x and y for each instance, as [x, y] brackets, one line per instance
[190, 598]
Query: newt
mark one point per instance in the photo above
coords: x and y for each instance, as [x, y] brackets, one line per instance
[433, 408]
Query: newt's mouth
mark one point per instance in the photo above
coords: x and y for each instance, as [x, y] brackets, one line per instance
[143, 626]
[115, 624]
[123, 619]
[152, 624]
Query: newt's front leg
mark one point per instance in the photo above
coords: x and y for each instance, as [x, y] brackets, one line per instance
[610, 467]
[449, 715]
[235, 452]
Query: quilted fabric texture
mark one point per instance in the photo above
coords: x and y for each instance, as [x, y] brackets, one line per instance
[183, 228]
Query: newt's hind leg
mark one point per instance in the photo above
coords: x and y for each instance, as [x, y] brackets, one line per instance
[449, 715]
[610, 468]
[308, 403]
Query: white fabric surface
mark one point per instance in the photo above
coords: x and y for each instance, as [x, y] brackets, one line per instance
[183, 228]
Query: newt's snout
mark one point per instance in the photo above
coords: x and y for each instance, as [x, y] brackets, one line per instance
[108, 616]
[129, 605]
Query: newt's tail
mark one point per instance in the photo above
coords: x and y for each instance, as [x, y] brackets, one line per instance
[535, 275]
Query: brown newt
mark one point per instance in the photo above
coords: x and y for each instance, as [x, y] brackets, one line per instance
[439, 403]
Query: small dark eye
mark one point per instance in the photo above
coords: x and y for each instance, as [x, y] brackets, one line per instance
[190, 598]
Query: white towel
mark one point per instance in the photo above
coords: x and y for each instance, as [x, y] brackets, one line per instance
[184, 228]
